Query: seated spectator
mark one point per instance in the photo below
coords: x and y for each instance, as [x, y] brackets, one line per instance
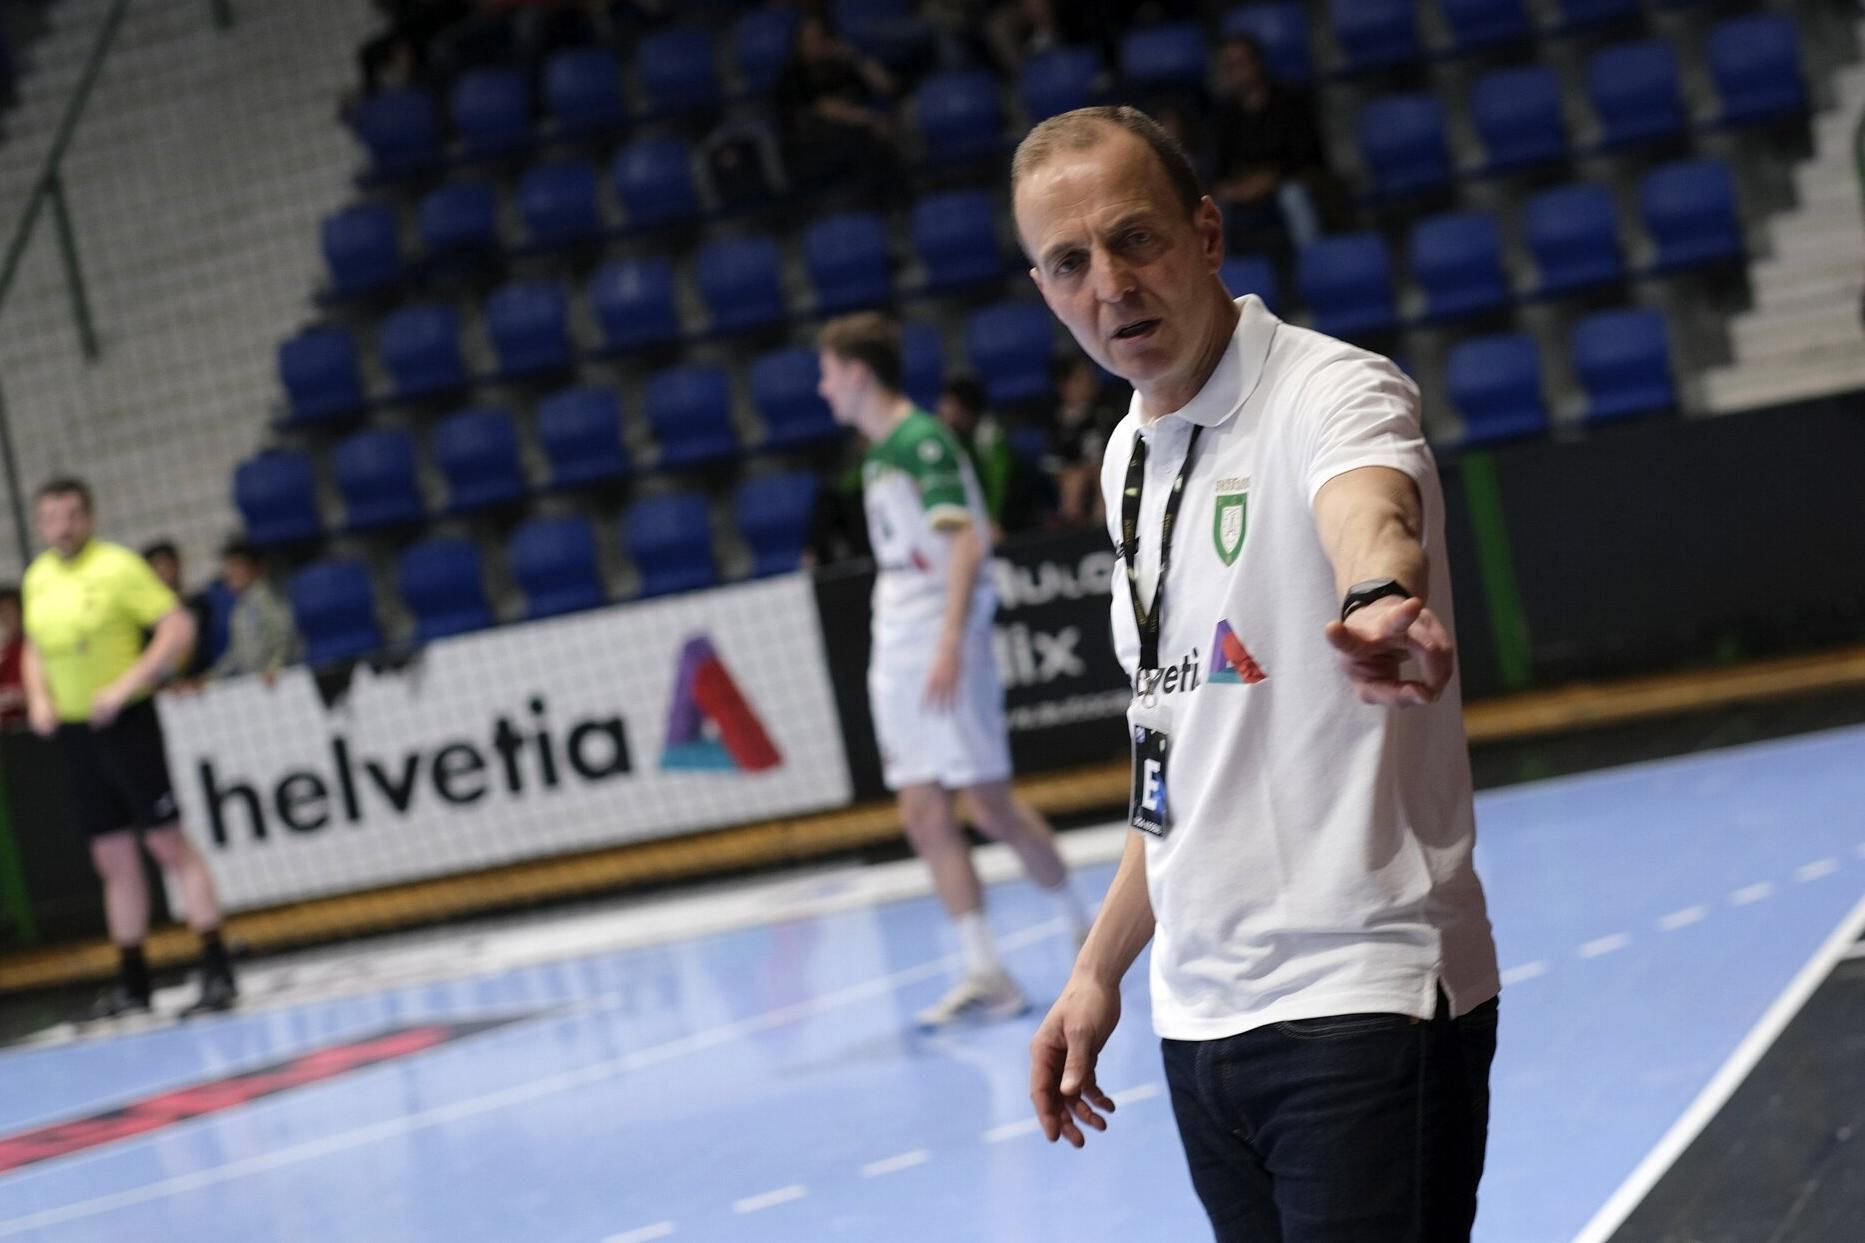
[833, 104]
[402, 54]
[262, 639]
[165, 559]
[981, 436]
[1269, 162]
[12, 646]
[1086, 414]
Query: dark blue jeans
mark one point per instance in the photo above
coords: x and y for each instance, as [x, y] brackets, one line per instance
[1364, 1128]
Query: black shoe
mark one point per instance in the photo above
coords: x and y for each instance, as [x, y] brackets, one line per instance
[218, 994]
[118, 1001]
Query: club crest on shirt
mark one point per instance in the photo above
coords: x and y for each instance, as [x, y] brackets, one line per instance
[1230, 518]
[1231, 660]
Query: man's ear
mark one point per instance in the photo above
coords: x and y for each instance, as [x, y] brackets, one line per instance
[1208, 220]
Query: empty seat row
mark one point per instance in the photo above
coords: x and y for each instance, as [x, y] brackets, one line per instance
[954, 235]
[555, 564]
[1518, 115]
[1010, 344]
[1621, 358]
[1571, 232]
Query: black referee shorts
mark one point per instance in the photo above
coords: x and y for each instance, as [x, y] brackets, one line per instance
[118, 775]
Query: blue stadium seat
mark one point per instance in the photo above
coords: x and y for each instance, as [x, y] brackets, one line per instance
[955, 236]
[1585, 14]
[334, 604]
[1457, 260]
[443, 584]
[362, 249]
[690, 410]
[401, 131]
[1403, 144]
[421, 349]
[762, 41]
[783, 390]
[583, 89]
[1573, 234]
[477, 452]
[322, 379]
[1689, 209]
[669, 539]
[219, 630]
[773, 513]
[679, 71]
[581, 432]
[491, 110]
[960, 116]
[848, 262]
[654, 182]
[1375, 34]
[1517, 113]
[922, 363]
[1168, 56]
[634, 303]
[1346, 280]
[1623, 359]
[276, 493]
[553, 561]
[558, 202]
[529, 322]
[1495, 385]
[1478, 24]
[1060, 79]
[741, 283]
[1244, 274]
[460, 219]
[1756, 63]
[1636, 93]
[1281, 30]
[1012, 348]
[888, 30]
[375, 473]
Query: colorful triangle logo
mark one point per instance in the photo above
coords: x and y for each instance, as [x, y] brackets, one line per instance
[1231, 660]
[710, 725]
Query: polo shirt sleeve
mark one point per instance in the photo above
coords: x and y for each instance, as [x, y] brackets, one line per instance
[933, 463]
[1363, 411]
[145, 598]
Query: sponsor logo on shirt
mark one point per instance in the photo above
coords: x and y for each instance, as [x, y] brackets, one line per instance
[1230, 518]
[1231, 660]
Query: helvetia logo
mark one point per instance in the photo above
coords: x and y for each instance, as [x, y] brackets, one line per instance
[710, 726]
[1231, 660]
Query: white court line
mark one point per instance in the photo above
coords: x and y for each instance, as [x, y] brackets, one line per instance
[893, 1165]
[1684, 918]
[517, 1094]
[783, 1195]
[1717, 1092]
[1601, 946]
[1137, 1093]
[659, 1230]
[1524, 972]
[1749, 894]
[1011, 1130]
[1814, 871]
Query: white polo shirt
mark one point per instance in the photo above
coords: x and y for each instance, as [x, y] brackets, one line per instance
[1319, 859]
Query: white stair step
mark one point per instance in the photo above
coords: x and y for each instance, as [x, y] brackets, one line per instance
[1732, 389]
[1832, 323]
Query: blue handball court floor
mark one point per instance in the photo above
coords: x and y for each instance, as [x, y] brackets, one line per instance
[740, 1063]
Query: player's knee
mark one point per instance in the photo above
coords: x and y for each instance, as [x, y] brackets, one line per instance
[168, 846]
[114, 855]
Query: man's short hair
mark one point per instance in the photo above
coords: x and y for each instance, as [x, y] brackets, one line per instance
[1087, 127]
[162, 548]
[242, 549]
[869, 338]
[65, 485]
[967, 391]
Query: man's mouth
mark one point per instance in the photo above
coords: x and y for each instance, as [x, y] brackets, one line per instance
[1138, 328]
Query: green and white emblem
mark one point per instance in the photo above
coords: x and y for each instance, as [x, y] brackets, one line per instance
[1228, 523]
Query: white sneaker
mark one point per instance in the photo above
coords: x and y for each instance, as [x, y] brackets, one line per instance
[981, 997]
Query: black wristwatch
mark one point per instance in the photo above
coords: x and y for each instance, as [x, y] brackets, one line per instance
[1362, 594]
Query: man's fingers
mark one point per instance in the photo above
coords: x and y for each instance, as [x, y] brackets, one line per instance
[1400, 619]
[1086, 1114]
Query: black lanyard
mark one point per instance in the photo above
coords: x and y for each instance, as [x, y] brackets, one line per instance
[1149, 621]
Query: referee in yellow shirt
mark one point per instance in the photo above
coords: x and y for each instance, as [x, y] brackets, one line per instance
[88, 679]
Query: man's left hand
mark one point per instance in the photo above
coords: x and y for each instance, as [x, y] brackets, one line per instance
[107, 704]
[1376, 640]
[942, 682]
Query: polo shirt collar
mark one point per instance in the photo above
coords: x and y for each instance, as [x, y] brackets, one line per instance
[1238, 371]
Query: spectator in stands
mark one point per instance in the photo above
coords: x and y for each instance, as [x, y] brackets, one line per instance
[1086, 413]
[981, 436]
[1269, 161]
[1018, 29]
[12, 645]
[165, 559]
[262, 639]
[833, 103]
[400, 55]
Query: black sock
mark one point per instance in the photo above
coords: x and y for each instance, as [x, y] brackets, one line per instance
[214, 954]
[134, 970]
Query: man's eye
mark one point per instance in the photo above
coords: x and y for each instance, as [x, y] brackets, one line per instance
[1066, 266]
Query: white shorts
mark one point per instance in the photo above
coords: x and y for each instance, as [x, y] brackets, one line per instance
[966, 744]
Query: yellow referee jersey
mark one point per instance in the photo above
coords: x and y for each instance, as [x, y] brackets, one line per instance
[86, 618]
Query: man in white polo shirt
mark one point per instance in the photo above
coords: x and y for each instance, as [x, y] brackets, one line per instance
[1323, 975]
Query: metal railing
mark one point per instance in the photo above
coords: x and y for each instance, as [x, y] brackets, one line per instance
[48, 191]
